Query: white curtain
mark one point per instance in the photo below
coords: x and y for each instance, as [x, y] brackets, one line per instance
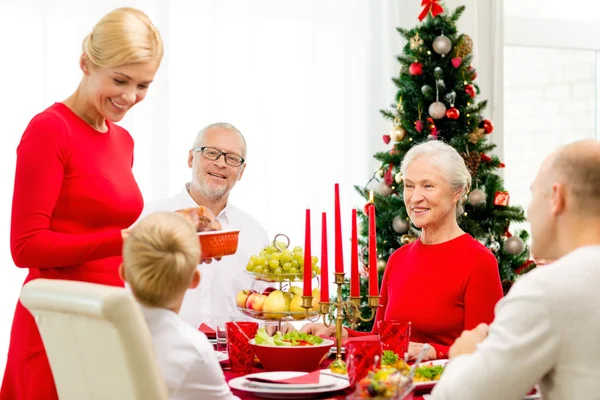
[302, 79]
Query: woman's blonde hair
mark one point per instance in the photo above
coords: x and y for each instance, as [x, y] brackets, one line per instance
[123, 36]
[447, 159]
[160, 257]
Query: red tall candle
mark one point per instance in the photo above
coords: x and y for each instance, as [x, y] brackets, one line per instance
[373, 277]
[324, 266]
[354, 278]
[307, 258]
[339, 257]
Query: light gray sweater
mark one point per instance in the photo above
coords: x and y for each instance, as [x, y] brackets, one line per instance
[546, 331]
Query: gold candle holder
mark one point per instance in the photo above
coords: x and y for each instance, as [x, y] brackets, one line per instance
[341, 309]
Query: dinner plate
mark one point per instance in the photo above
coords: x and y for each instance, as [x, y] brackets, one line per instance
[222, 356]
[428, 384]
[328, 383]
[333, 350]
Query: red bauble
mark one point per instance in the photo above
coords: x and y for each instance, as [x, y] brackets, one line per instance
[386, 139]
[416, 68]
[452, 113]
[366, 208]
[456, 61]
[487, 126]
[470, 89]
[473, 72]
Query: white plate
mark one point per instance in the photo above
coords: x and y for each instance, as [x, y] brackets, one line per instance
[328, 384]
[222, 356]
[333, 350]
[428, 384]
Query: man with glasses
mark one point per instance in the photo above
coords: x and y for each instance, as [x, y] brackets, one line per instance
[217, 161]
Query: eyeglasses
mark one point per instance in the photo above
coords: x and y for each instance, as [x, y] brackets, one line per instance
[213, 154]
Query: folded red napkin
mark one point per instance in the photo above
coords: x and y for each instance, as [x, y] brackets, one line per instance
[311, 377]
[208, 331]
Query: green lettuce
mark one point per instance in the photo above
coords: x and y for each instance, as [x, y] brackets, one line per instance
[289, 339]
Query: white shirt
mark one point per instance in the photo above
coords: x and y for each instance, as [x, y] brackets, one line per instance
[213, 301]
[185, 357]
[546, 331]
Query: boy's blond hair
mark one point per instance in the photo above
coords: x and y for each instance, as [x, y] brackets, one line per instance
[160, 257]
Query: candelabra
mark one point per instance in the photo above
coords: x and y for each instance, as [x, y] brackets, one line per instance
[342, 309]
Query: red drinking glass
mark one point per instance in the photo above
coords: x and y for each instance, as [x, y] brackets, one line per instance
[395, 336]
[362, 355]
[241, 353]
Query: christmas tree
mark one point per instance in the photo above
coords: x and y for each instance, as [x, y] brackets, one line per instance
[436, 99]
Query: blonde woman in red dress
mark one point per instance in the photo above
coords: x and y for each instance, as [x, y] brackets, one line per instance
[74, 192]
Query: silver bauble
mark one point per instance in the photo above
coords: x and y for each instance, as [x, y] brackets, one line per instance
[514, 245]
[437, 110]
[477, 197]
[494, 246]
[442, 45]
[398, 177]
[383, 189]
[400, 225]
[426, 90]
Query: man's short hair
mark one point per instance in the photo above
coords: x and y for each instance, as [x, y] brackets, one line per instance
[160, 257]
[577, 165]
[223, 125]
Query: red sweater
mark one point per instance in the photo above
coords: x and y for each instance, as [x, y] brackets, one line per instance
[441, 289]
[74, 192]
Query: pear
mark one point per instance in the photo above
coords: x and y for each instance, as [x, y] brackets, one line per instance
[276, 305]
[296, 290]
[316, 294]
[296, 306]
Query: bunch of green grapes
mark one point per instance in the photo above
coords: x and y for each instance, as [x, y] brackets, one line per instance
[287, 264]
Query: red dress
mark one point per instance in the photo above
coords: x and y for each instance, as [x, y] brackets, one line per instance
[74, 193]
[441, 289]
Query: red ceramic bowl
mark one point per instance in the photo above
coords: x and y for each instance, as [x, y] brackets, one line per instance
[292, 358]
[218, 243]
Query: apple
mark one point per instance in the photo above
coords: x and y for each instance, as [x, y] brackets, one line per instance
[242, 297]
[295, 290]
[256, 301]
[268, 291]
[276, 305]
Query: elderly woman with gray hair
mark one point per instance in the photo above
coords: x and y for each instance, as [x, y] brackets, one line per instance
[446, 281]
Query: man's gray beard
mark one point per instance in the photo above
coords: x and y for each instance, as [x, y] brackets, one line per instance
[213, 193]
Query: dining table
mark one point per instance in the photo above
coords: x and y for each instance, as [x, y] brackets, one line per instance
[245, 395]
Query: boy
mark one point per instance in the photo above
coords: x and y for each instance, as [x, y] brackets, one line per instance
[159, 264]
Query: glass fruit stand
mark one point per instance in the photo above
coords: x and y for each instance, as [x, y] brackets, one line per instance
[283, 301]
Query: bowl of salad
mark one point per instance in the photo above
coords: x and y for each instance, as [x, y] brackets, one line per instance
[294, 351]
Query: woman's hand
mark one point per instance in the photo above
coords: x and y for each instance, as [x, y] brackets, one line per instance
[322, 330]
[415, 348]
[208, 260]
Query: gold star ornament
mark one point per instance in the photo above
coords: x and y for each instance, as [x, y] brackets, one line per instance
[416, 41]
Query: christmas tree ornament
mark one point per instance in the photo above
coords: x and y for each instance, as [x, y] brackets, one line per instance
[387, 177]
[419, 126]
[384, 189]
[438, 73]
[415, 68]
[487, 126]
[398, 177]
[472, 161]
[398, 133]
[400, 225]
[464, 46]
[416, 42]
[440, 84]
[452, 113]
[437, 110]
[477, 197]
[386, 139]
[430, 7]
[456, 61]
[470, 90]
[380, 173]
[514, 245]
[494, 245]
[473, 72]
[476, 135]
[407, 238]
[442, 45]
[451, 98]
[501, 199]
[426, 90]
[381, 264]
